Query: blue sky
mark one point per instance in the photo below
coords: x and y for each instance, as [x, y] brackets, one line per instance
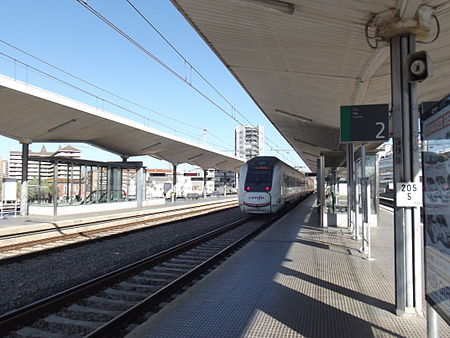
[65, 34]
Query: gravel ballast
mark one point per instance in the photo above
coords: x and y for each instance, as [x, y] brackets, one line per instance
[36, 278]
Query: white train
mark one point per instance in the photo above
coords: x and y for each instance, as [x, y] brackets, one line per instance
[266, 184]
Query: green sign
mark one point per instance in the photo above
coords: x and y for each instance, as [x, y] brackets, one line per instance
[365, 123]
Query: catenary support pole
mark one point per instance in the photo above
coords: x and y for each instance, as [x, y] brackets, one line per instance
[408, 252]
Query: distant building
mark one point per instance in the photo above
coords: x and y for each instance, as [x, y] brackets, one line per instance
[44, 168]
[249, 141]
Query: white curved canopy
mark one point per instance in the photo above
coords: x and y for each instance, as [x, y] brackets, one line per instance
[29, 114]
[300, 67]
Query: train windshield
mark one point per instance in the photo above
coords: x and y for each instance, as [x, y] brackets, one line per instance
[259, 178]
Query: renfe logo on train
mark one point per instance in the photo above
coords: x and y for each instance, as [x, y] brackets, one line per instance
[257, 198]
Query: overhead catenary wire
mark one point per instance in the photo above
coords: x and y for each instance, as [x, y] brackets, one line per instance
[110, 92]
[159, 61]
[187, 62]
[199, 74]
[27, 66]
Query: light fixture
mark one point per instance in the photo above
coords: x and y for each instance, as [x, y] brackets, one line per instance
[305, 142]
[61, 125]
[298, 117]
[274, 5]
[191, 158]
[150, 146]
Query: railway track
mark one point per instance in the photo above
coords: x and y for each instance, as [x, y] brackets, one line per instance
[107, 305]
[67, 233]
[386, 201]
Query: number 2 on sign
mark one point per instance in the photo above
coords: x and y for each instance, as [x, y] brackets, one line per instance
[380, 133]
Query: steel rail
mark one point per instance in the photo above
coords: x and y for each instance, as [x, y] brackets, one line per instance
[28, 314]
[134, 221]
[111, 328]
[114, 219]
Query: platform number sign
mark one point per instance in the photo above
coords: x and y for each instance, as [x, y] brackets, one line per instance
[365, 123]
[409, 194]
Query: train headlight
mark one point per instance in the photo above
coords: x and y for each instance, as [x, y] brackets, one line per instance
[267, 189]
[247, 188]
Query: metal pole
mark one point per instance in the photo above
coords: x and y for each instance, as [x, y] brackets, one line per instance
[39, 196]
[349, 185]
[79, 183]
[358, 201]
[224, 183]
[432, 323]
[323, 214]
[354, 205]
[174, 183]
[140, 186]
[405, 125]
[24, 185]
[67, 184]
[108, 184]
[71, 183]
[364, 198]
[55, 188]
[205, 172]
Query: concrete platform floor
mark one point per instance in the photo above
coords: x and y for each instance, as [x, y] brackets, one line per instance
[295, 280]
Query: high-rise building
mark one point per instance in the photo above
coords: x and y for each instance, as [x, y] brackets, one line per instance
[249, 141]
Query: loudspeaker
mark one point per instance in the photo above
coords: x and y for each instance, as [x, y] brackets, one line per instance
[420, 66]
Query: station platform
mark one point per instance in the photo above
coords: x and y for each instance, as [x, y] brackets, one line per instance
[296, 279]
[10, 224]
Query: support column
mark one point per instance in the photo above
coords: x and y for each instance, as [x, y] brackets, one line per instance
[174, 183]
[55, 188]
[205, 172]
[24, 184]
[321, 183]
[225, 183]
[350, 186]
[140, 186]
[354, 196]
[364, 200]
[39, 194]
[68, 192]
[108, 184]
[408, 233]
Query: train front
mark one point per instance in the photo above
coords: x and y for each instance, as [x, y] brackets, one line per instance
[256, 185]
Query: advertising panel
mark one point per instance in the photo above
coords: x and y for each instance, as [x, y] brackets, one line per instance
[436, 198]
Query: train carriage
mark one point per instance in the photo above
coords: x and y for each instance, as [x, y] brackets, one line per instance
[267, 184]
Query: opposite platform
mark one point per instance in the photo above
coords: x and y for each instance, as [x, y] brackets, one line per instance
[294, 280]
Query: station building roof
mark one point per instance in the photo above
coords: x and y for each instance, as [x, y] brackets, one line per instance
[29, 114]
[301, 60]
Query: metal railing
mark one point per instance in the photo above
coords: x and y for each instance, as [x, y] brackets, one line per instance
[9, 208]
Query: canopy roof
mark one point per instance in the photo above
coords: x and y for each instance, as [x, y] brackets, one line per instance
[29, 114]
[301, 60]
